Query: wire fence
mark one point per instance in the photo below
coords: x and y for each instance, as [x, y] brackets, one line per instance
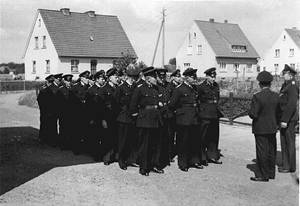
[19, 85]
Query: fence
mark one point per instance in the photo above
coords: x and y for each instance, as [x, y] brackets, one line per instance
[18, 85]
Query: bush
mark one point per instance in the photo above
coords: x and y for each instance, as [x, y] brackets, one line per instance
[28, 99]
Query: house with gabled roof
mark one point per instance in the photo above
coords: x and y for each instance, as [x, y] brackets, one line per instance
[221, 45]
[285, 50]
[62, 41]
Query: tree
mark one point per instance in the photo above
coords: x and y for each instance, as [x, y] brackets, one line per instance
[172, 61]
[141, 65]
[121, 63]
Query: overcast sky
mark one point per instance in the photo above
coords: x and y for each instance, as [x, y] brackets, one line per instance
[262, 21]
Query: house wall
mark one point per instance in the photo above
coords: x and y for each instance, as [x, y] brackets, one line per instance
[40, 55]
[269, 60]
[64, 65]
[198, 61]
[207, 58]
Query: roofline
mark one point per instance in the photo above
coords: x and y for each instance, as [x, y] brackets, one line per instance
[30, 33]
[83, 56]
[233, 57]
[76, 12]
[214, 22]
[286, 30]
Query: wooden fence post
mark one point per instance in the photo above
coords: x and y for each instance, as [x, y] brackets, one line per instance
[231, 108]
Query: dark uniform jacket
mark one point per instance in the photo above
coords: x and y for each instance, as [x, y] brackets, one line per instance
[145, 102]
[63, 97]
[43, 98]
[78, 93]
[289, 107]
[111, 108]
[264, 112]
[95, 102]
[209, 95]
[123, 97]
[164, 97]
[184, 102]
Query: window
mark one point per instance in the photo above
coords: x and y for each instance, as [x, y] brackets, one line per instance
[39, 24]
[222, 66]
[293, 65]
[284, 37]
[74, 65]
[44, 42]
[276, 66]
[239, 48]
[199, 49]
[292, 51]
[189, 50]
[36, 42]
[93, 66]
[249, 68]
[190, 41]
[186, 64]
[195, 35]
[236, 68]
[277, 52]
[33, 67]
[47, 66]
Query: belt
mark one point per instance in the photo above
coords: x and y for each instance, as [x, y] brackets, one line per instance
[210, 101]
[190, 105]
[151, 107]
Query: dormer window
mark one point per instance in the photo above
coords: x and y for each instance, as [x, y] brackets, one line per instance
[90, 13]
[239, 48]
[65, 11]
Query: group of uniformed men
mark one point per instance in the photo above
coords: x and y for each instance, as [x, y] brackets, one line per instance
[135, 118]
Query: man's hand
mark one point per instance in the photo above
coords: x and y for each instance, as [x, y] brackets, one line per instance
[283, 124]
[104, 124]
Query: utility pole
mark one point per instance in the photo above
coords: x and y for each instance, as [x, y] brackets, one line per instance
[163, 38]
[162, 29]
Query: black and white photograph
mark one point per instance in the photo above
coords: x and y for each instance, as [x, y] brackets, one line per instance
[149, 102]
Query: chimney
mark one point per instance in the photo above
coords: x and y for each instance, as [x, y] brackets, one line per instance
[225, 21]
[65, 11]
[90, 13]
[294, 27]
[211, 20]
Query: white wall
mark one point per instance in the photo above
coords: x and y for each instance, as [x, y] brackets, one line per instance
[269, 58]
[40, 55]
[64, 65]
[201, 62]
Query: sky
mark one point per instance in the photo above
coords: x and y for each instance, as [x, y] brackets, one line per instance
[262, 21]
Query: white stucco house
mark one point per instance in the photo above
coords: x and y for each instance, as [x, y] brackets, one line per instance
[68, 42]
[221, 45]
[285, 50]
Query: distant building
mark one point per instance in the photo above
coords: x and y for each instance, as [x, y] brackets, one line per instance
[221, 45]
[285, 50]
[71, 42]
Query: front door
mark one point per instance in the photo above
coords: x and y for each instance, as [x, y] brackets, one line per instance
[93, 66]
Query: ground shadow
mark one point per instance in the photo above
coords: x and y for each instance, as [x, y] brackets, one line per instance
[23, 158]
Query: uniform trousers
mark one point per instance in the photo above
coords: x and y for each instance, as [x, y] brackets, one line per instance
[110, 142]
[210, 136]
[188, 145]
[149, 148]
[288, 148]
[266, 155]
[65, 130]
[126, 143]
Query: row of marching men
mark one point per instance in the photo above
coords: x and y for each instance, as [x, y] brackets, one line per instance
[137, 118]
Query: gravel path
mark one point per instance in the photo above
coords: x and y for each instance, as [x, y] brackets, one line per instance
[76, 180]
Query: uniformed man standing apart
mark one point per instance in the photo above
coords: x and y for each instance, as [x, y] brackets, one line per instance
[126, 133]
[289, 95]
[184, 102]
[44, 101]
[144, 106]
[111, 111]
[264, 113]
[209, 95]
[65, 115]
[78, 96]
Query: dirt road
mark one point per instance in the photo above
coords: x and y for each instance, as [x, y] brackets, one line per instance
[60, 178]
